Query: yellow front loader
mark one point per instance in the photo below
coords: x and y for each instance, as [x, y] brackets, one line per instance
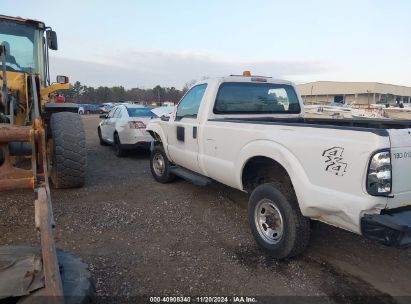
[40, 141]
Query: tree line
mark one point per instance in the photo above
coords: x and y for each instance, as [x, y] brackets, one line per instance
[79, 93]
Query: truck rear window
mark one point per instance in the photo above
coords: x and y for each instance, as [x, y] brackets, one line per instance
[256, 98]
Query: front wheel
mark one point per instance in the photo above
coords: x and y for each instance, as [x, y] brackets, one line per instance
[160, 166]
[277, 223]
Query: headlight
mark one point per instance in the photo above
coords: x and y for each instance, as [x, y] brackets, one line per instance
[379, 174]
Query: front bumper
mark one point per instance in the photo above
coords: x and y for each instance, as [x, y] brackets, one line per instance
[392, 229]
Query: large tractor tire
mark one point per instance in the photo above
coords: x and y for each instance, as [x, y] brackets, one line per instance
[26, 279]
[67, 147]
[76, 278]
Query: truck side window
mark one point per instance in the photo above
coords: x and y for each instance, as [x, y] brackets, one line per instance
[189, 105]
[256, 98]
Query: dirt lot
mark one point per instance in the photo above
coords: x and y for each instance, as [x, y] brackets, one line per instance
[144, 238]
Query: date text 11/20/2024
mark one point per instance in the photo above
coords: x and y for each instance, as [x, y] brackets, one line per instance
[205, 299]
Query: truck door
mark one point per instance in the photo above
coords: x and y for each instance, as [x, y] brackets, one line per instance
[183, 131]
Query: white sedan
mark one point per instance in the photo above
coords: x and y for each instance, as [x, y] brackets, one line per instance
[124, 127]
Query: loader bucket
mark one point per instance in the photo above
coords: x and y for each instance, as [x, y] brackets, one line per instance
[35, 178]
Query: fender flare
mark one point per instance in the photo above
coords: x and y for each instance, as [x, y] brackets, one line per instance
[153, 128]
[281, 155]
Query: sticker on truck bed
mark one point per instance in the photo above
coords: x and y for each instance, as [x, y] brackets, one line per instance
[334, 161]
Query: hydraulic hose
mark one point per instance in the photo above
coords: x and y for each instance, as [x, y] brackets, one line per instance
[4, 78]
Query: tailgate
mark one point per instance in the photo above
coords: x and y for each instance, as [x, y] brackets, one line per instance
[401, 168]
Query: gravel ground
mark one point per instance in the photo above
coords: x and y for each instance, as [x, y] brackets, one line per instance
[142, 238]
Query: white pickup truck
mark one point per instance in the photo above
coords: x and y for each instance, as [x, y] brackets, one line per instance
[250, 133]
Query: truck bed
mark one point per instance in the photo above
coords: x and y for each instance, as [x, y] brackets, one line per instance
[378, 126]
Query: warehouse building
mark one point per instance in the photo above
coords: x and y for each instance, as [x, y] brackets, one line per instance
[325, 92]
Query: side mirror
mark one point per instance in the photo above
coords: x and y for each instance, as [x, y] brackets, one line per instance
[165, 118]
[104, 116]
[62, 79]
[51, 37]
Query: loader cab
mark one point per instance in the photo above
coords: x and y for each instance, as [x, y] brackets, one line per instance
[27, 43]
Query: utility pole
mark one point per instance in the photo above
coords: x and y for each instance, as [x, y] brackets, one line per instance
[368, 97]
[312, 87]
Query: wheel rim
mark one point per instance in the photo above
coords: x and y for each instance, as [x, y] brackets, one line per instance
[159, 164]
[269, 221]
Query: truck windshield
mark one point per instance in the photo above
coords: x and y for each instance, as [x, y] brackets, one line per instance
[256, 98]
[24, 47]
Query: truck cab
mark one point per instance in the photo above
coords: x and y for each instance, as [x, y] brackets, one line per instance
[184, 129]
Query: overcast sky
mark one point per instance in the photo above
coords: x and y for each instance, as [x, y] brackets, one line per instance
[145, 43]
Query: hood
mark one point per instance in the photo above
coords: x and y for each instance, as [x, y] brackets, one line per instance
[163, 111]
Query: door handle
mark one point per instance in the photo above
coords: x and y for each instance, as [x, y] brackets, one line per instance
[180, 133]
[194, 132]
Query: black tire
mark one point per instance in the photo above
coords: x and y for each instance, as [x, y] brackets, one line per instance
[164, 176]
[68, 161]
[1, 156]
[295, 232]
[118, 151]
[102, 142]
[76, 279]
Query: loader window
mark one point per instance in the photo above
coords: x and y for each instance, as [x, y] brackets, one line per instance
[256, 98]
[24, 47]
[19, 45]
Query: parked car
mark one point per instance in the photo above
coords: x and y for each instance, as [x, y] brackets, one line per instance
[124, 127]
[81, 109]
[91, 108]
[105, 108]
[250, 133]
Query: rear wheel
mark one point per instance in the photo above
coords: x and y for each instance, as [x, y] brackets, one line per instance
[68, 150]
[160, 165]
[276, 221]
[118, 151]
